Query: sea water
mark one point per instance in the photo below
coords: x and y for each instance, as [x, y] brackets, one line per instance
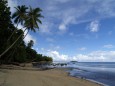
[103, 72]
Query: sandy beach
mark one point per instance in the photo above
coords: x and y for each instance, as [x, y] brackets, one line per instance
[52, 77]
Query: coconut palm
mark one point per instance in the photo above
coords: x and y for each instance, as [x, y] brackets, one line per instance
[33, 18]
[19, 16]
[31, 21]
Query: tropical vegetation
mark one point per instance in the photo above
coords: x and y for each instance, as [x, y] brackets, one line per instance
[12, 45]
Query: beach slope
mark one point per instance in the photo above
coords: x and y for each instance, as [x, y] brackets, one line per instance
[53, 77]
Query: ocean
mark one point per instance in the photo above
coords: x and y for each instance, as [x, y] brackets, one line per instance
[101, 72]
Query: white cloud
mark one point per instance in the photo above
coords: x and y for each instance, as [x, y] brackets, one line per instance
[69, 16]
[94, 26]
[109, 46]
[106, 8]
[42, 49]
[60, 57]
[96, 56]
[56, 56]
[62, 27]
[29, 37]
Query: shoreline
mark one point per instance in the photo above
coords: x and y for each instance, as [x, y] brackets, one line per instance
[91, 80]
[50, 77]
[102, 84]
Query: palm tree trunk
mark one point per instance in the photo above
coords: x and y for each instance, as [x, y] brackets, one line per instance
[12, 33]
[26, 34]
[23, 38]
[11, 45]
[18, 45]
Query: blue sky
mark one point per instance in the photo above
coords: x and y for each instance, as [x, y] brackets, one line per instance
[81, 30]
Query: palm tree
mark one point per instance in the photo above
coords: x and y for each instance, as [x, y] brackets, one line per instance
[19, 16]
[31, 21]
[33, 18]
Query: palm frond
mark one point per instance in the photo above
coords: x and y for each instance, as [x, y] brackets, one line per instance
[14, 15]
[20, 14]
[16, 19]
[39, 21]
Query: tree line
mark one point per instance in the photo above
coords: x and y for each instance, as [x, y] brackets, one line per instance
[12, 45]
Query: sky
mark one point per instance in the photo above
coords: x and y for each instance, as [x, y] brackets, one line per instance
[80, 30]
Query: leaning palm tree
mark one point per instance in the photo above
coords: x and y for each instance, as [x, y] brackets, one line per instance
[33, 18]
[30, 23]
[19, 16]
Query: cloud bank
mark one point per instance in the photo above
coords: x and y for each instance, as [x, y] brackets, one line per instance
[96, 56]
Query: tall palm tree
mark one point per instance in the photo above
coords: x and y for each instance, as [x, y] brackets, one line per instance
[33, 18]
[31, 21]
[19, 16]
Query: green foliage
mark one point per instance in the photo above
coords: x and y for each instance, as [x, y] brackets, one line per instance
[20, 55]
[40, 57]
[20, 14]
[5, 23]
[6, 26]
[30, 44]
[32, 19]
[19, 52]
[31, 54]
